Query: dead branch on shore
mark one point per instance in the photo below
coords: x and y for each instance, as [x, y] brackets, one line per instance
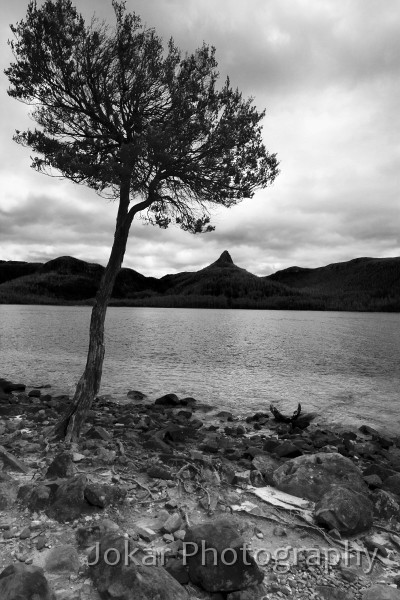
[278, 416]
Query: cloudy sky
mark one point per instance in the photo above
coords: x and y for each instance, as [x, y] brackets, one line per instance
[328, 73]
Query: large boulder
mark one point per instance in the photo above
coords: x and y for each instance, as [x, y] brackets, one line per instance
[23, 582]
[217, 558]
[345, 510]
[119, 573]
[69, 501]
[61, 466]
[381, 592]
[310, 476]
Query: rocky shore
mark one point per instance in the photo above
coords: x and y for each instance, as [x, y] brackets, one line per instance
[174, 500]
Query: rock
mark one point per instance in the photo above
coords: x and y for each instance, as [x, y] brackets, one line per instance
[4, 397]
[13, 462]
[382, 440]
[155, 443]
[40, 542]
[88, 536]
[98, 433]
[386, 505]
[173, 523]
[96, 494]
[216, 557]
[279, 531]
[255, 592]
[62, 466]
[105, 456]
[135, 395]
[130, 578]
[36, 497]
[146, 533]
[25, 534]
[392, 484]
[270, 444]
[225, 415]
[242, 478]
[177, 433]
[345, 510]
[266, 464]
[382, 471]
[327, 592]
[381, 592]
[62, 558]
[23, 582]
[69, 501]
[77, 457]
[349, 574]
[366, 449]
[159, 472]
[168, 400]
[8, 387]
[8, 490]
[178, 570]
[189, 401]
[35, 394]
[310, 476]
[257, 478]
[373, 481]
[322, 438]
[288, 450]
[375, 547]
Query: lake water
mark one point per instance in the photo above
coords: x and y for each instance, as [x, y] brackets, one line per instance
[345, 366]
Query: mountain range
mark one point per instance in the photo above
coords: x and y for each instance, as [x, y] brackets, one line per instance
[362, 284]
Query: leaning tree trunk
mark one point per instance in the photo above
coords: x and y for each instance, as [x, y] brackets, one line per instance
[88, 386]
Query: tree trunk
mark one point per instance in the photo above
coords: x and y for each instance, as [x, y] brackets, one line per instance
[88, 386]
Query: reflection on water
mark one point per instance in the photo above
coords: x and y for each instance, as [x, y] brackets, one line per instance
[343, 365]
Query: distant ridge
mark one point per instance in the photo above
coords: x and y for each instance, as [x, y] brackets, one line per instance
[361, 284]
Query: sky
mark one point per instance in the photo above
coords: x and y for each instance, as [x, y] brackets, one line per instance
[328, 74]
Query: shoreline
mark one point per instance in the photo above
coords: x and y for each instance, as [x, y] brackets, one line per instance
[200, 465]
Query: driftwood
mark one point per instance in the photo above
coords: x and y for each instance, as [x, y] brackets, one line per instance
[278, 416]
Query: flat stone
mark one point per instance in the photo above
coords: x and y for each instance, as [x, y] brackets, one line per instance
[147, 534]
[333, 593]
[62, 559]
[381, 592]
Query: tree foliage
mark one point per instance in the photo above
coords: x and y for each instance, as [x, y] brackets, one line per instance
[113, 103]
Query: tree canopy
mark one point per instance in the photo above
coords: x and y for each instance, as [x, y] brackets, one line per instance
[114, 104]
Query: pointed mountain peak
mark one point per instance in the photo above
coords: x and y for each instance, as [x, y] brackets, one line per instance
[225, 259]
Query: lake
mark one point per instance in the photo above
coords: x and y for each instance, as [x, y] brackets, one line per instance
[343, 365]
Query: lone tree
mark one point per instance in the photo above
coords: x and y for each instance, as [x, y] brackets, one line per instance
[137, 122]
